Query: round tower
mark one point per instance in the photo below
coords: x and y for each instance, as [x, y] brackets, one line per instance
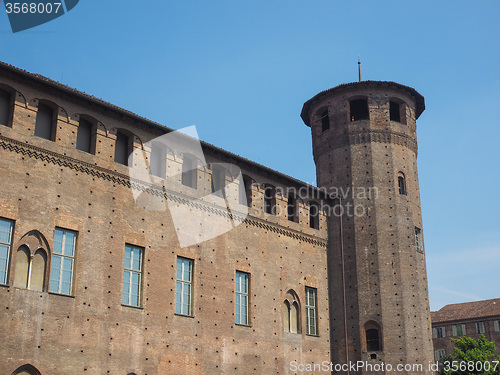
[365, 150]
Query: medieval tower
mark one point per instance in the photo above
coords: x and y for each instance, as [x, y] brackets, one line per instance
[365, 150]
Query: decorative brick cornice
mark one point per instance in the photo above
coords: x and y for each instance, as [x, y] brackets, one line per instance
[155, 190]
[382, 136]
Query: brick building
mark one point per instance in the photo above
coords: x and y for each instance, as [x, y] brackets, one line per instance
[94, 282]
[471, 319]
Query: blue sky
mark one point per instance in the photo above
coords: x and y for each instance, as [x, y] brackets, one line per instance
[240, 71]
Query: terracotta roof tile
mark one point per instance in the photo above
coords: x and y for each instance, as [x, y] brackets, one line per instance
[468, 310]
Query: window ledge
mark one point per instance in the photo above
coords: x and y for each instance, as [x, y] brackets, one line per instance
[243, 325]
[61, 294]
[185, 316]
[311, 335]
[133, 307]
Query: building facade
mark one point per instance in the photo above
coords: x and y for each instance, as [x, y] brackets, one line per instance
[94, 282]
[471, 319]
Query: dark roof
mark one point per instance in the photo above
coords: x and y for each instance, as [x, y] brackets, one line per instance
[468, 310]
[418, 98]
[84, 95]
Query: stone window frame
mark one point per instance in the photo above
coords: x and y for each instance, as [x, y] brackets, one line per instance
[370, 328]
[182, 283]
[128, 273]
[239, 295]
[63, 259]
[291, 313]
[311, 311]
[8, 245]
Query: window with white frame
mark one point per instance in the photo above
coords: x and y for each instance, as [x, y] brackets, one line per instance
[6, 227]
[438, 332]
[311, 319]
[132, 275]
[419, 244]
[184, 286]
[458, 330]
[241, 290]
[63, 259]
[438, 354]
[480, 327]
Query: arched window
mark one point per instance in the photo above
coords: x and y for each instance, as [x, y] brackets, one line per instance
[359, 110]
[270, 199]
[189, 171]
[373, 339]
[44, 125]
[292, 208]
[5, 107]
[245, 191]
[85, 137]
[122, 148]
[314, 215]
[401, 183]
[30, 271]
[291, 313]
[158, 160]
[325, 121]
[26, 370]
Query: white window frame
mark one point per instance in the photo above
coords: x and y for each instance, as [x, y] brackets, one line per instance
[439, 353]
[128, 273]
[241, 291]
[183, 284]
[419, 243]
[480, 327]
[56, 284]
[5, 270]
[311, 311]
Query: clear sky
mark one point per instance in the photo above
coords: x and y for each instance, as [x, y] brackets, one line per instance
[241, 71]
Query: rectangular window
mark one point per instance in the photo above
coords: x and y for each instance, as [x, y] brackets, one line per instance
[480, 327]
[84, 136]
[438, 332]
[189, 171]
[63, 259]
[122, 148]
[496, 325]
[4, 107]
[458, 330]
[5, 245]
[419, 244]
[183, 286]
[241, 289]
[311, 311]
[438, 354]
[44, 119]
[132, 272]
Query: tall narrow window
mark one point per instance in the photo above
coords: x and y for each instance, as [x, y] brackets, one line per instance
[4, 107]
[292, 208]
[132, 275]
[241, 304]
[270, 199]
[372, 340]
[189, 171]
[401, 184]
[314, 215]
[84, 136]
[30, 272]
[291, 316]
[419, 244]
[245, 191]
[121, 148]
[158, 160]
[394, 111]
[496, 325]
[286, 316]
[218, 180]
[325, 121]
[5, 246]
[480, 327]
[63, 259]
[183, 286]
[311, 318]
[359, 109]
[438, 354]
[44, 120]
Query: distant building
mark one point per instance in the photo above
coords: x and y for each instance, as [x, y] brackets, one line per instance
[471, 319]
